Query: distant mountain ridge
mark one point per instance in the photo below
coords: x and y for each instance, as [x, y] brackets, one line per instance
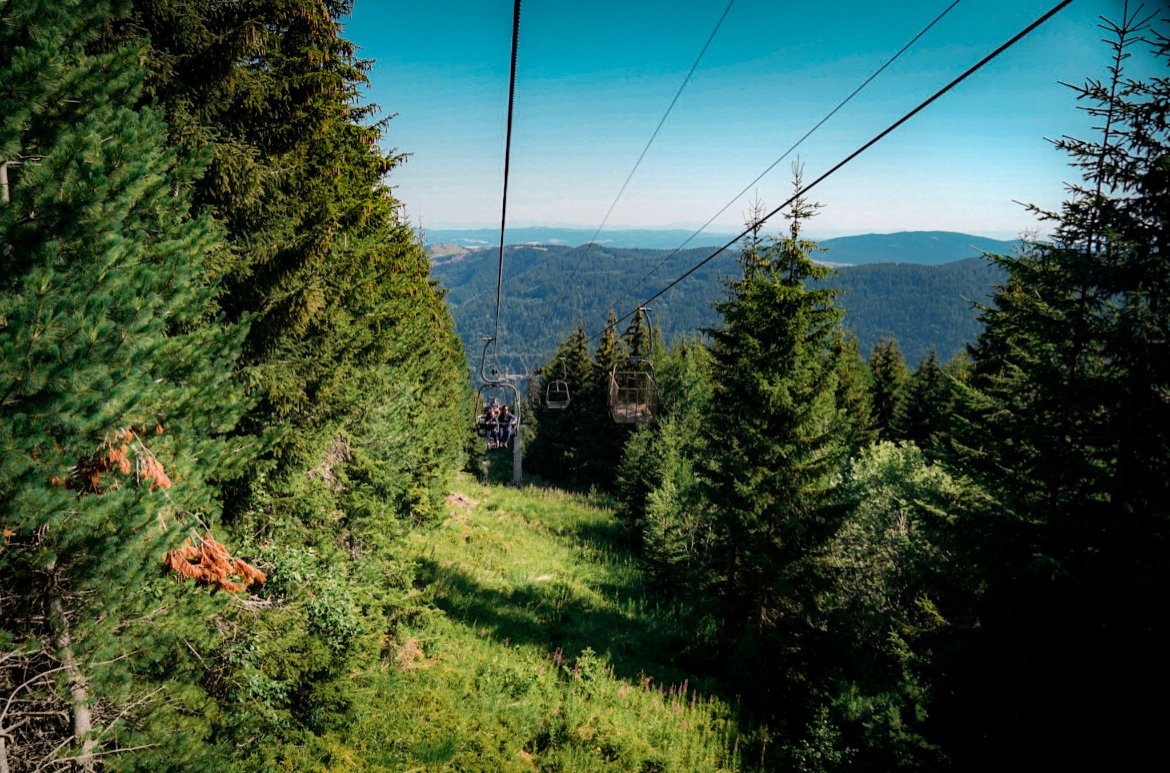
[923, 305]
[930, 248]
[645, 238]
[922, 247]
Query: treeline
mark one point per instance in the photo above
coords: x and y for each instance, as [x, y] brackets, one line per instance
[223, 366]
[960, 567]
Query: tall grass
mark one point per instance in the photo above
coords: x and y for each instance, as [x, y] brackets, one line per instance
[535, 647]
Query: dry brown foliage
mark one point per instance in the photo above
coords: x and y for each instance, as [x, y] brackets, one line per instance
[113, 455]
[208, 562]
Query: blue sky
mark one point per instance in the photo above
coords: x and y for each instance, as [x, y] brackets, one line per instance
[595, 77]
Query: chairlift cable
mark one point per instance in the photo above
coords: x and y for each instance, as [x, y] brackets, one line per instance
[877, 138]
[507, 163]
[807, 134]
[787, 152]
[653, 136]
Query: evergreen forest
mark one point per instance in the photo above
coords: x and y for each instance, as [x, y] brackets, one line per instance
[924, 306]
[246, 523]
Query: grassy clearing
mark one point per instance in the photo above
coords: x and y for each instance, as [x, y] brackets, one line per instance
[540, 651]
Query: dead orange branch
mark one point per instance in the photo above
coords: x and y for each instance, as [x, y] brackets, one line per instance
[207, 561]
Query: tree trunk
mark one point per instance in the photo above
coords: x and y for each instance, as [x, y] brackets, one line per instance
[78, 687]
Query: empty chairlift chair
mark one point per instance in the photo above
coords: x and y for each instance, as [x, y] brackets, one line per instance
[633, 394]
[556, 394]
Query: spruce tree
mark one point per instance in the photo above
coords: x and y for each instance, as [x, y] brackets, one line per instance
[684, 379]
[1067, 424]
[344, 316]
[888, 378]
[925, 410]
[777, 440]
[557, 451]
[361, 399]
[116, 382]
[853, 393]
[603, 437]
[638, 336]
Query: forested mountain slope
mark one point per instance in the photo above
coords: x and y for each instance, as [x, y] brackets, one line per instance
[923, 306]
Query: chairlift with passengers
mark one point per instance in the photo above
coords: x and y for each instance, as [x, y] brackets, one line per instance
[494, 394]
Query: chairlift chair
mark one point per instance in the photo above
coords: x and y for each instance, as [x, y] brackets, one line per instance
[633, 394]
[556, 394]
[499, 393]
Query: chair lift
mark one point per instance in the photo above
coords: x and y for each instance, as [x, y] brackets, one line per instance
[495, 392]
[633, 393]
[556, 394]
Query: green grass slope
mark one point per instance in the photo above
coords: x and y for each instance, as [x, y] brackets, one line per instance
[539, 649]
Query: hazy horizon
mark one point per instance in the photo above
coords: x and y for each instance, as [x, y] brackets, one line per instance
[594, 79]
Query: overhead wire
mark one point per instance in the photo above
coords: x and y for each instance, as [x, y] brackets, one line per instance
[785, 154]
[877, 138]
[653, 136]
[807, 134]
[507, 164]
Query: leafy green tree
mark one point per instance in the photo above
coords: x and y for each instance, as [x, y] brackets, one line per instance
[1066, 423]
[777, 440]
[893, 574]
[117, 389]
[888, 379]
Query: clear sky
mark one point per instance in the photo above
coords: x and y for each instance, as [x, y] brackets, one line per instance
[595, 77]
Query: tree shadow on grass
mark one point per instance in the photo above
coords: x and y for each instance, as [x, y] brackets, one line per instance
[551, 614]
[608, 535]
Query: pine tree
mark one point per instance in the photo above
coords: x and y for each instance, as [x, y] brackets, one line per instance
[777, 439]
[116, 382]
[853, 393]
[925, 411]
[1067, 424]
[557, 451]
[604, 439]
[888, 376]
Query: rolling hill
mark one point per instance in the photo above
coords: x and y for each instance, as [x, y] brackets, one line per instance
[548, 288]
[927, 247]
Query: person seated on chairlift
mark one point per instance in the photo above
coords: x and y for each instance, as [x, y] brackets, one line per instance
[491, 421]
[507, 426]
